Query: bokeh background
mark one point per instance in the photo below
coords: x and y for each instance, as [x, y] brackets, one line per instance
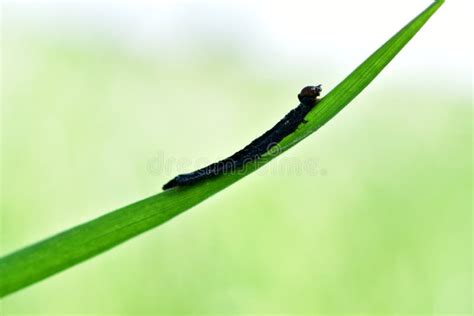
[104, 101]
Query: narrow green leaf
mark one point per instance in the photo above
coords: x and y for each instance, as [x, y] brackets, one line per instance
[57, 253]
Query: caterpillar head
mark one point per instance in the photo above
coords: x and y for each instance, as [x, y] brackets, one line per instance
[309, 94]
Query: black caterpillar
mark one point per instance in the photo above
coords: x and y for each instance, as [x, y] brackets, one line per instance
[287, 125]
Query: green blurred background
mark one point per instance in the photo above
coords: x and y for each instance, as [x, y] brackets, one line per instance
[93, 117]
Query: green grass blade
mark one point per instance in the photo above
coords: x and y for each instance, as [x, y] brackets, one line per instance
[57, 253]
